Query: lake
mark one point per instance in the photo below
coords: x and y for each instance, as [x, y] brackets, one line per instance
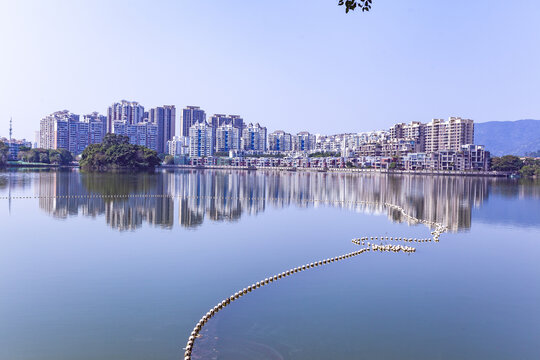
[123, 265]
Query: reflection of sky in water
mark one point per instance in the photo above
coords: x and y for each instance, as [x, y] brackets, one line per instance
[74, 287]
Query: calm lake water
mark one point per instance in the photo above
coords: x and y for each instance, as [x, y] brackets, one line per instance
[87, 278]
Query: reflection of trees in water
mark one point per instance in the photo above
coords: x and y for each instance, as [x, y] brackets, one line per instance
[227, 195]
[511, 188]
[120, 183]
[120, 213]
[18, 180]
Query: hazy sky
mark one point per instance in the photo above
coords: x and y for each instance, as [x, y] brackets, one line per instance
[288, 64]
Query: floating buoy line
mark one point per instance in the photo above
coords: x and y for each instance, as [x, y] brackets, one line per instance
[363, 241]
[367, 242]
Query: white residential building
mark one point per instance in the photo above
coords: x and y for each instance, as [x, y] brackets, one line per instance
[130, 111]
[279, 140]
[227, 138]
[254, 138]
[201, 140]
[178, 146]
[304, 141]
[143, 133]
[62, 130]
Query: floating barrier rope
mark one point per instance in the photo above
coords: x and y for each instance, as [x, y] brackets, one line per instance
[364, 241]
[439, 228]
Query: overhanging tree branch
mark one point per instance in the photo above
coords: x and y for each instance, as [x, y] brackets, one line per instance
[351, 5]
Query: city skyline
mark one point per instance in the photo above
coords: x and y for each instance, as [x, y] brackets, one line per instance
[400, 62]
[178, 126]
[437, 145]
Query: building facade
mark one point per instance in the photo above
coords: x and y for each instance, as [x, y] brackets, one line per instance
[227, 138]
[97, 127]
[144, 133]
[62, 130]
[448, 135]
[165, 119]
[218, 120]
[254, 138]
[178, 146]
[304, 141]
[468, 158]
[201, 140]
[191, 115]
[279, 140]
[130, 111]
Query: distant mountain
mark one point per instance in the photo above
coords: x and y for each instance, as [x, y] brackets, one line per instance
[508, 137]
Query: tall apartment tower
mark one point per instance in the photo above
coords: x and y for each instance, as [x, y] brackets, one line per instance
[62, 130]
[144, 133]
[191, 115]
[304, 141]
[130, 111]
[97, 127]
[201, 140]
[415, 131]
[254, 138]
[227, 138]
[165, 119]
[218, 120]
[279, 140]
[449, 135]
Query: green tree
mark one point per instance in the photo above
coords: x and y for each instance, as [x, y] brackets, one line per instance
[44, 158]
[324, 154]
[4, 150]
[528, 171]
[116, 152]
[509, 163]
[114, 139]
[33, 156]
[169, 160]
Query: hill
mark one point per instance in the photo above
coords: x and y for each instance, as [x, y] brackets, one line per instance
[508, 137]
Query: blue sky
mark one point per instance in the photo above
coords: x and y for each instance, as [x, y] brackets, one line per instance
[287, 64]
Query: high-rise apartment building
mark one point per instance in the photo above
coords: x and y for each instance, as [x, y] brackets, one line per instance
[97, 127]
[227, 138]
[78, 136]
[201, 140]
[218, 120]
[130, 111]
[254, 138]
[437, 134]
[279, 140]
[191, 115]
[415, 131]
[304, 141]
[143, 133]
[62, 130]
[165, 119]
[178, 146]
[448, 135]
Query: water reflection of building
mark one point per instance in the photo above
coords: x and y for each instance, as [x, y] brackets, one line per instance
[227, 195]
[64, 194]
